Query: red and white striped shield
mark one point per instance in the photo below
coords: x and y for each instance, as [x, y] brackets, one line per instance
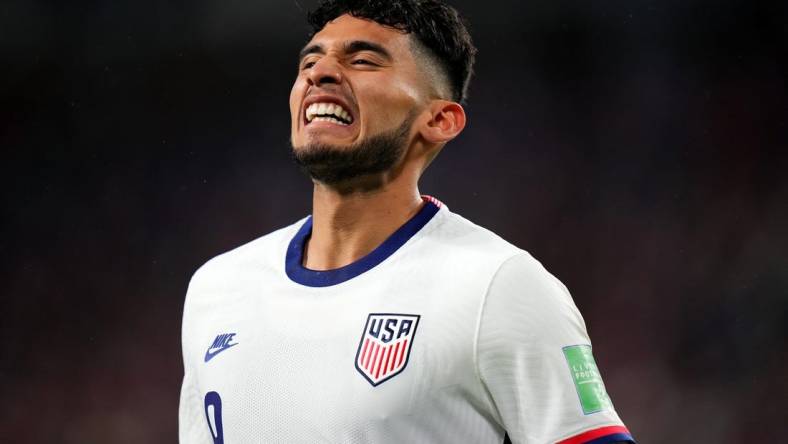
[385, 345]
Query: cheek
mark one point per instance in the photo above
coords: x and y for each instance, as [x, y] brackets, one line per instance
[295, 100]
[389, 102]
[409, 92]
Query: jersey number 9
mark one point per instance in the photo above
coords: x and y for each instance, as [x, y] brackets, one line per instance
[213, 413]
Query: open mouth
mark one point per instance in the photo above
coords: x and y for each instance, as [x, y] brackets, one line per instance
[328, 112]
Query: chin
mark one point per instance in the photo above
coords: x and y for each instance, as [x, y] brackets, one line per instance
[337, 140]
[326, 144]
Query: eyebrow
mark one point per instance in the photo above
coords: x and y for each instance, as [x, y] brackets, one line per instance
[311, 49]
[363, 45]
[351, 47]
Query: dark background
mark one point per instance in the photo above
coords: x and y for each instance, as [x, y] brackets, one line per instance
[637, 148]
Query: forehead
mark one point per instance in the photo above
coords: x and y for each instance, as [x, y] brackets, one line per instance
[347, 28]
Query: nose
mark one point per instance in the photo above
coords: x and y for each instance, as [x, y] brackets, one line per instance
[325, 71]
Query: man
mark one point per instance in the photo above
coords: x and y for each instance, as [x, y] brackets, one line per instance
[384, 317]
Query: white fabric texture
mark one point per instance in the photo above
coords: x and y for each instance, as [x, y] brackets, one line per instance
[485, 359]
[527, 319]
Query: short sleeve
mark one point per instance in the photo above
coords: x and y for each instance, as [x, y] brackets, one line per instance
[534, 358]
[192, 426]
[192, 422]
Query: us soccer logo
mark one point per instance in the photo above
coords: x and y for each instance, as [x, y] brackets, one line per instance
[385, 345]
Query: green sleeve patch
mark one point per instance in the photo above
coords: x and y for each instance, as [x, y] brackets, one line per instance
[588, 381]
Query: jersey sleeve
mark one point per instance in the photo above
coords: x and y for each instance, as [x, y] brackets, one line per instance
[534, 358]
[192, 425]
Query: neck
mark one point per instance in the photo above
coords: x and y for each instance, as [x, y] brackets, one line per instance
[348, 226]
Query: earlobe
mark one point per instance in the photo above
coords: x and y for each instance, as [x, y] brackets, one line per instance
[447, 120]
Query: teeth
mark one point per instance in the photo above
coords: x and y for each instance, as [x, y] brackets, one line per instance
[328, 119]
[326, 111]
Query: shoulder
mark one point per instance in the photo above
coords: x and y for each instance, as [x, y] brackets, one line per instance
[471, 252]
[523, 275]
[462, 239]
[514, 278]
[263, 253]
[527, 308]
[523, 285]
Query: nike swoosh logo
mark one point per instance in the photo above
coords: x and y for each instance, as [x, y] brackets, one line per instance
[215, 351]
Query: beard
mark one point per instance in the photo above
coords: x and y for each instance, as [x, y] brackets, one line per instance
[338, 166]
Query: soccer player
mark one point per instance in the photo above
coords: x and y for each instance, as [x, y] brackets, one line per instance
[384, 317]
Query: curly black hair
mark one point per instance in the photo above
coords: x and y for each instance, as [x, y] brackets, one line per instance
[436, 26]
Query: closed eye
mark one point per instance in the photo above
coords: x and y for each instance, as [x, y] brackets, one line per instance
[362, 62]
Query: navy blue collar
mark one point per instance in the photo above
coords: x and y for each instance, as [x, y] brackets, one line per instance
[295, 252]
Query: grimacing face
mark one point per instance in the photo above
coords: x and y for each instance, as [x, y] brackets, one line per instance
[356, 79]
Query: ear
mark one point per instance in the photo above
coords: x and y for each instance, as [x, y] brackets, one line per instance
[447, 120]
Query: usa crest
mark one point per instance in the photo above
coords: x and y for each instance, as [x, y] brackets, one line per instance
[385, 345]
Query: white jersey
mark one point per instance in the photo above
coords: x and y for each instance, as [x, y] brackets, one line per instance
[443, 334]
